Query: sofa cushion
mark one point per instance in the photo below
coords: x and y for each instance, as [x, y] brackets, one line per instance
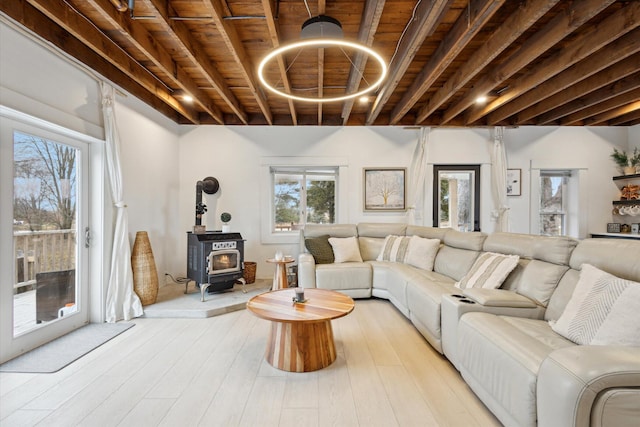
[416, 251]
[471, 240]
[345, 249]
[603, 310]
[320, 248]
[454, 262]
[540, 279]
[556, 250]
[345, 276]
[488, 271]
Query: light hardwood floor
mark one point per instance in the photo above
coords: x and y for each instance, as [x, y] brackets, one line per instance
[211, 372]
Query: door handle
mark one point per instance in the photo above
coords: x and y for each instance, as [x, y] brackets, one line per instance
[87, 237]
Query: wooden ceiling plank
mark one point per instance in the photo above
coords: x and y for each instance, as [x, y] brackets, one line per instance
[426, 19]
[38, 23]
[563, 24]
[512, 28]
[368, 26]
[585, 114]
[609, 82]
[602, 118]
[239, 54]
[60, 13]
[587, 43]
[618, 50]
[464, 30]
[629, 119]
[274, 34]
[179, 32]
[322, 9]
[142, 40]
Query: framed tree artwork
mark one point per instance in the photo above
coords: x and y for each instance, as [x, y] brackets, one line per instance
[384, 189]
[514, 182]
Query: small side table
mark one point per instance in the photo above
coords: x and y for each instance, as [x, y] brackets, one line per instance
[280, 275]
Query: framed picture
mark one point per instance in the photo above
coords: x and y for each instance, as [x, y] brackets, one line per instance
[384, 189]
[514, 183]
[635, 228]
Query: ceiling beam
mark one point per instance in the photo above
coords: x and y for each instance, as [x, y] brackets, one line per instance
[585, 44]
[143, 41]
[586, 116]
[506, 33]
[468, 24]
[426, 18]
[602, 118]
[194, 51]
[563, 24]
[629, 119]
[368, 27]
[60, 12]
[268, 7]
[236, 49]
[609, 82]
[38, 23]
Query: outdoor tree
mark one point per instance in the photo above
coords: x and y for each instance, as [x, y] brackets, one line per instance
[287, 201]
[44, 181]
[321, 202]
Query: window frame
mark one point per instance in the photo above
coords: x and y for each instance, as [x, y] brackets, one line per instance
[267, 164]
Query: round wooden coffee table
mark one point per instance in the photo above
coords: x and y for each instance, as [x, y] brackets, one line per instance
[301, 337]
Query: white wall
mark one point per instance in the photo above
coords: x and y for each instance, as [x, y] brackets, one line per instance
[583, 148]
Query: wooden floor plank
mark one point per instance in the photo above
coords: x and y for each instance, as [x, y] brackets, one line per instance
[188, 372]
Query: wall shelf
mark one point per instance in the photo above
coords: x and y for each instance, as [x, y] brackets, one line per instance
[626, 202]
[634, 176]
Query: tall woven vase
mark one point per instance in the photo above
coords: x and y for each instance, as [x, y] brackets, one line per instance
[145, 275]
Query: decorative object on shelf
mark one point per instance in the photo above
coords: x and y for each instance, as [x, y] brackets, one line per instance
[514, 182]
[225, 217]
[635, 228]
[384, 189]
[145, 275]
[630, 192]
[625, 228]
[627, 163]
[613, 227]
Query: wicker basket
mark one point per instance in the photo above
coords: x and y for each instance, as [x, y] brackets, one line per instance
[249, 273]
[145, 275]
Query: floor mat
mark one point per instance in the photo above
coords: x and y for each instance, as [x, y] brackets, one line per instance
[57, 354]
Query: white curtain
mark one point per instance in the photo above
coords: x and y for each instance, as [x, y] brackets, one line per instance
[499, 180]
[122, 302]
[416, 179]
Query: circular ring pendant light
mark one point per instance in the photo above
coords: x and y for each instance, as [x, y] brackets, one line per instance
[322, 32]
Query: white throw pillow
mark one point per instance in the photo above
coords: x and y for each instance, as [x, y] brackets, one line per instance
[603, 310]
[415, 250]
[489, 271]
[345, 249]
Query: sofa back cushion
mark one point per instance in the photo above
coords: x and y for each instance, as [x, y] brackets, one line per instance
[539, 280]
[454, 262]
[510, 244]
[615, 256]
[333, 230]
[472, 240]
[371, 237]
[556, 250]
[426, 232]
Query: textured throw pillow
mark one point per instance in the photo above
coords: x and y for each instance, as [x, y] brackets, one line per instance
[415, 250]
[489, 271]
[345, 249]
[320, 248]
[603, 310]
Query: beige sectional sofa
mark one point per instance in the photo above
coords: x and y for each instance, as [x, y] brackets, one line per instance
[500, 339]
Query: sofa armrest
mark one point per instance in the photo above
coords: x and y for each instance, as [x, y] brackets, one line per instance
[498, 298]
[571, 381]
[306, 271]
[453, 307]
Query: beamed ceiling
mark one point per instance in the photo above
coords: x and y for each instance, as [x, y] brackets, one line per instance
[539, 62]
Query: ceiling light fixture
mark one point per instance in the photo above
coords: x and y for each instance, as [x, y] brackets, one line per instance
[322, 32]
[481, 99]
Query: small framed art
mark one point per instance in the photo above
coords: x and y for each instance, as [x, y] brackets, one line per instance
[384, 189]
[614, 227]
[514, 183]
[635, 228]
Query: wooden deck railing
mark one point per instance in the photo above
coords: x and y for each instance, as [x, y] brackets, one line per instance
[42, 251]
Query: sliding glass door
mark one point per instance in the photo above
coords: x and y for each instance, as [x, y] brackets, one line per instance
[44, 228]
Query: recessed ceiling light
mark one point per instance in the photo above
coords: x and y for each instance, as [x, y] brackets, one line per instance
[364, 100]
[187, 98]
[481, 99]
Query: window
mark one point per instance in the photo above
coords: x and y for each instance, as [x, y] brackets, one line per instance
[456, 197]
[303, 196]
[554, 196]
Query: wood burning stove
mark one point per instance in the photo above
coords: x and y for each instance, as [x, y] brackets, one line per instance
[215, 260]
